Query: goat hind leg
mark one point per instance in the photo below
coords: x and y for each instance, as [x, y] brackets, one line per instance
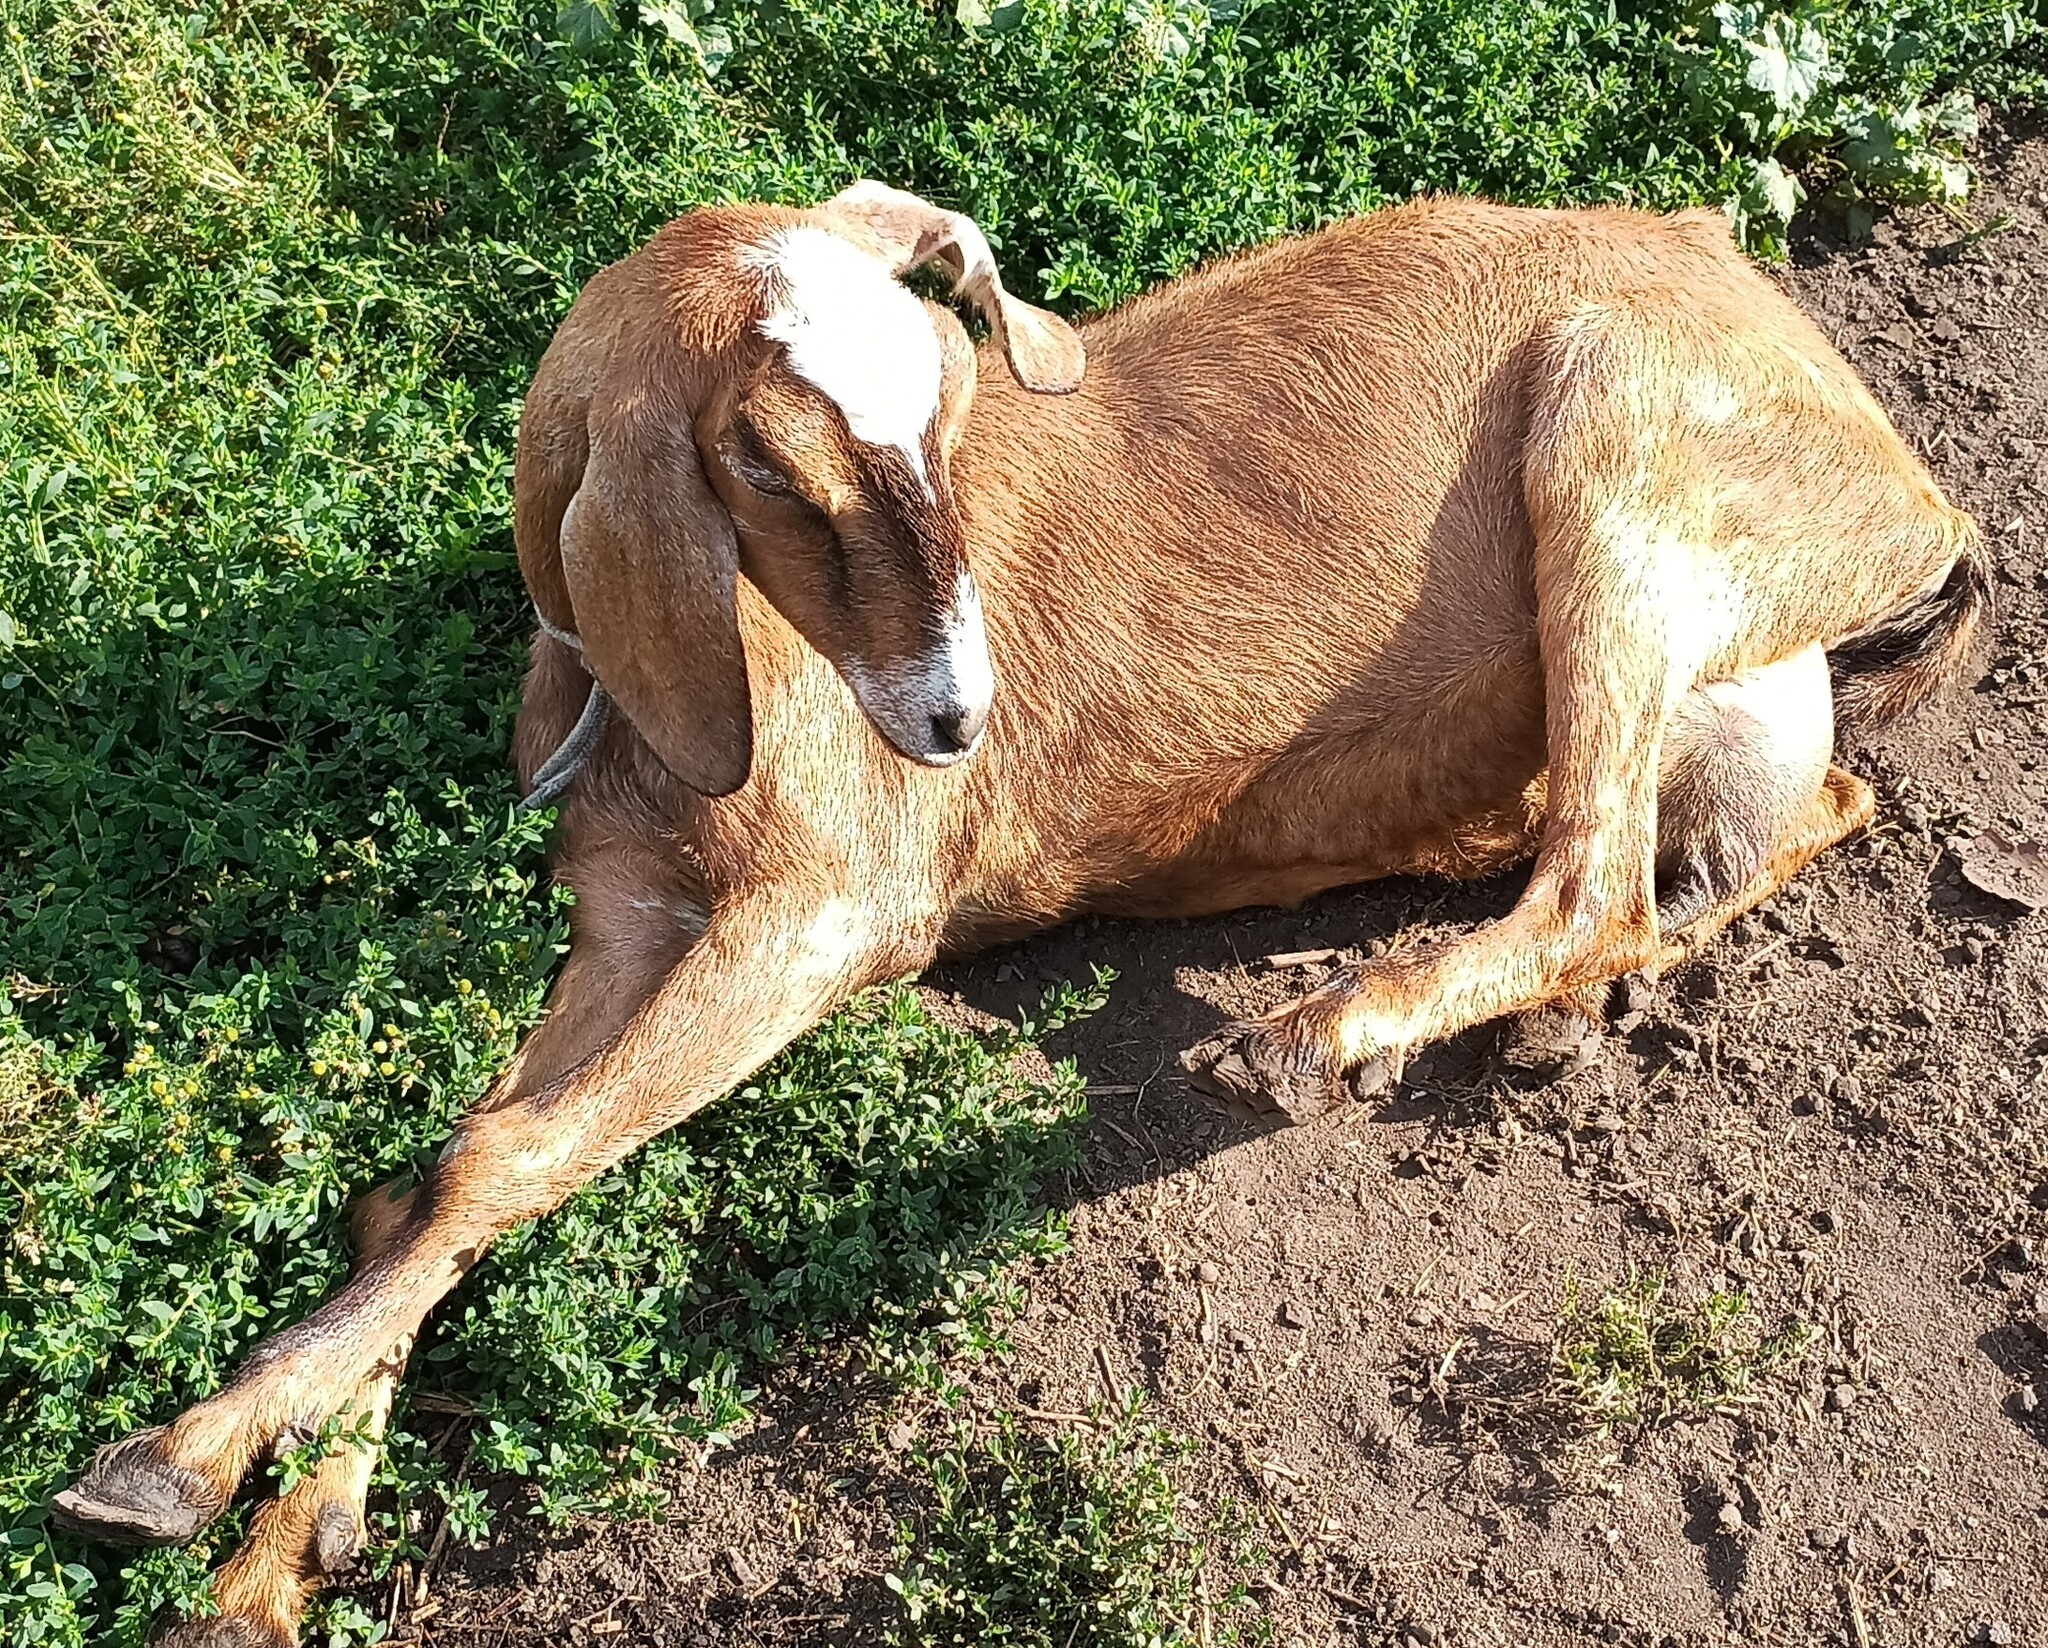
[1618, 656]
[1743, 777]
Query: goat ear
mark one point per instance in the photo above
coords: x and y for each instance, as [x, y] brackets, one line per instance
[1044, 352]
[651, 564]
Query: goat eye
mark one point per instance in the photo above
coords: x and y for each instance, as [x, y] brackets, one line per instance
[749, 460]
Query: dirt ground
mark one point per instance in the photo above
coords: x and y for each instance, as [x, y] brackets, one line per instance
[1840, 1110]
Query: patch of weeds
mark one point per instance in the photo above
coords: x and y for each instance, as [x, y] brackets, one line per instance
[1080, 1539]
[877, 1178]
[1632, 1358]
[1620, 1362]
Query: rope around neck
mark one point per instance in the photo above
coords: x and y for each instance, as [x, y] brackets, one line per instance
[573, 754]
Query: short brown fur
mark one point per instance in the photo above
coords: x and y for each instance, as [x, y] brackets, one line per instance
[1394, 548]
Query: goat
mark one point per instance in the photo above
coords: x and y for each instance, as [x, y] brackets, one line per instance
[1432, 542]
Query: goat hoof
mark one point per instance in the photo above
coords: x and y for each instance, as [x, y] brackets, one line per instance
[1550, 1042]
[227, 1631]
[337, 1537]
[1379, 1074]
[132, 1495]
[1261, 1077]
[1631, 996]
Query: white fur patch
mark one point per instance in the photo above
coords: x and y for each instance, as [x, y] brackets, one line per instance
[855, 335]
[689, 917]
[1793, 701]
[835, 936]
[1712, 399]
[967, 673]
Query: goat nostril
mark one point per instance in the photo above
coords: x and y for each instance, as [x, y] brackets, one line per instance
[956, 730]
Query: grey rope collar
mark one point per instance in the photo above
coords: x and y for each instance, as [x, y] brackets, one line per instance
[573, 754]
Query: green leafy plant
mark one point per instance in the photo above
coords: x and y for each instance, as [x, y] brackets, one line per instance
[1630, 1357]
[1081, 1538]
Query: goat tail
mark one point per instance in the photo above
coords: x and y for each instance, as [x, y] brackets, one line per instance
[1892, 668]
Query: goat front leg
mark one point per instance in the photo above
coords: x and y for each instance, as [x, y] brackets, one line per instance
[625, 946]
[773, 961]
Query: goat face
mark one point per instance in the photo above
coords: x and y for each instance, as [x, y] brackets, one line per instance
[832, 461]
[756, 393]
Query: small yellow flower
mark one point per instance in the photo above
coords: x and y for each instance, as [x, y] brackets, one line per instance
[380, 1045]
[231, 1034]
[463, 987]
[391, 1030]
[387, 1068]
[319, 1067]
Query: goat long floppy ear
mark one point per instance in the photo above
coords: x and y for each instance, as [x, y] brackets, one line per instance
[1044, 352]
[651, 562]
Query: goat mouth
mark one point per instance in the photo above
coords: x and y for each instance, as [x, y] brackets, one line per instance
[927, 710]
[945, 742]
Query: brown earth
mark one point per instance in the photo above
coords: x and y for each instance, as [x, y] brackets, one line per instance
[1839, 1111]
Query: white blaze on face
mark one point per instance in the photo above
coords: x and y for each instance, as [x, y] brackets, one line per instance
[854, 335]
[965, 670]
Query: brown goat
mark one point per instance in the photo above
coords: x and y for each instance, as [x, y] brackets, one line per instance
[1426, 543]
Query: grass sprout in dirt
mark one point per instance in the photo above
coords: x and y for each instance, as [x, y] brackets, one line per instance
[1633, 1356]
[1622, 1359]
[1080, 1538]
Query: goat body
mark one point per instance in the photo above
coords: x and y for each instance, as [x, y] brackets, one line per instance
[1262, 594]
[1429, 542]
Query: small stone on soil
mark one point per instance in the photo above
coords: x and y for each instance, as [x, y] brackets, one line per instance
[1841, 1398]
[1208, 1272]
[1729, 1518]
[2026, 1399]
[1294, 1315]
[1826, 1539]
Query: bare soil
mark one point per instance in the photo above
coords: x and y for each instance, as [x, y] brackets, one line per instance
[1840, 1110]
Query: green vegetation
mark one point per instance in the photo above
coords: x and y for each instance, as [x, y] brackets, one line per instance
[273, 275]
[1080, 1538]
[1620, 1362]
[1633, 1358]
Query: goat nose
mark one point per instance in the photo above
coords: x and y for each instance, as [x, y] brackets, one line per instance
[955, 730]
